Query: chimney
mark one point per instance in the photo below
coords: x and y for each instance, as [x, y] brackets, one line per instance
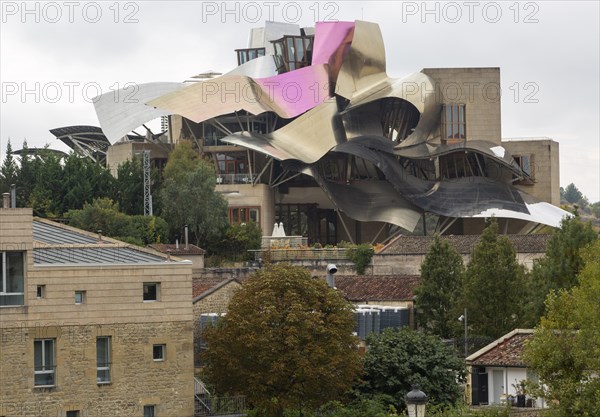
[99, 236]
[177, 244]
[186, 237]
[13, 196]
[6, 200]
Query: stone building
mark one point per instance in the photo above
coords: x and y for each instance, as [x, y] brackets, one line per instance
[90, 326]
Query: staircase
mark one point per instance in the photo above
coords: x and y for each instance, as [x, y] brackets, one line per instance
[207, 405]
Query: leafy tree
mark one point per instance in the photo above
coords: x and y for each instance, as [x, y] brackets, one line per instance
[8, 170]
[46, 195]
[239, 239]
[596, 209]
[438, 294]
[565, 349]
[129, 186]
[188, 196]
[103, 214]
[572, 194]
[397, 359]
[361, 256]
[285, 343]
[26, 178]
[494, 285]
[561, 263]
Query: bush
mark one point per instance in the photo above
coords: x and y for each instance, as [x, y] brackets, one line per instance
[361, 256]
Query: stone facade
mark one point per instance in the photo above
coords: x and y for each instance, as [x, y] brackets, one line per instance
[113, 306]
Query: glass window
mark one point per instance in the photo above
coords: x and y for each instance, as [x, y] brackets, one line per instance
[454, 125]
[151, 291]
[41, 291]
[149, 411]
[244, 215]
[44, 360]
[73, 413]
[12, 277]
[158, 352]
[79, 297]
[103, 359]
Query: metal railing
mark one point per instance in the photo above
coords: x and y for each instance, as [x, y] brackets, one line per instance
[235, 178]
[334, 254]
[207, 405]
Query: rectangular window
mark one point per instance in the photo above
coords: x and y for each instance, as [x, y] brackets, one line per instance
[41, 291]
[158, 352]
[151, 291]
[12, 277]
[149, 411]
[244, 215]
[103, 359]
[44, 362]
[526, 163]
[79, 297]
[454, 124]
[73, 413]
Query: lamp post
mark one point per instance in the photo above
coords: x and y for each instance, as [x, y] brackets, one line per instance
[463, 318]
[415, 402]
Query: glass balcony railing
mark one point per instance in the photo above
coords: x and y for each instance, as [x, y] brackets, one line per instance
[235, 178]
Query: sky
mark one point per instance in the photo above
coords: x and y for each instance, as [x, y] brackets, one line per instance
[56, 56]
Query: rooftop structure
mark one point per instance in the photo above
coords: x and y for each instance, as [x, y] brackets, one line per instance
[310, 131]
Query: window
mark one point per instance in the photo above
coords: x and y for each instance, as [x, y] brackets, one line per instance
[103, 359]
[245, 55]
[12, 278]
[44, 362]
[149, 411]
[293, 52]
[158, 352]
[454, 124]
[244, 215]
[151, 291]
[73, 413]
[527, 165]
[79, 297]
[41, 291]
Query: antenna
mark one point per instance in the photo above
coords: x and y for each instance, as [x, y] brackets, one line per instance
[147, 194]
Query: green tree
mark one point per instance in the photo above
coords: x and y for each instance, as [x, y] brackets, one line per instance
[565, 349]
[129, 186]
[239, 239]
[572, 194]
[8, 170]
[26, 177]
[361, 256]
[494, 286]
[188, 196]
[397, 359]
[560, 265]
[285, 343]
[439, 291]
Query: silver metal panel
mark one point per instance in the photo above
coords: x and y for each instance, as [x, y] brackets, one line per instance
[308, 138]
[261, 67]
[47, 233]
[93, 255]
[121, 111]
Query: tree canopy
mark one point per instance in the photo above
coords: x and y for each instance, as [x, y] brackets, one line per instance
[440, 288]
[565, 349]
[572, 193]
[561, 263]
[494, 286]
[188, 196]
[398, 359]
[285, 343]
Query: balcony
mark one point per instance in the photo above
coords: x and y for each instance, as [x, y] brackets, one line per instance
[235, 178]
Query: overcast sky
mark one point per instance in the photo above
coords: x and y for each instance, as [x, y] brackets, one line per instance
[56, 56]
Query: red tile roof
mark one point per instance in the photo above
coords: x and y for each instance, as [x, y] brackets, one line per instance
[506, 351]
[202, 285]
[464, 244]
[181, 251]
[377, 287]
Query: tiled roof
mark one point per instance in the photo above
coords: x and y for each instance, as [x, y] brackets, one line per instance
[506, 351]
[201, 285]
[464, 244]
[377, 287]
[178, 251]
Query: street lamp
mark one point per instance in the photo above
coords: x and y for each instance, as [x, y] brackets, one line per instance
[415, 402]
[463, 318]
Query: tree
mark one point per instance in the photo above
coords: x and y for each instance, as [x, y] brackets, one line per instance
[8, 170]
[560, 265]
[398, 359]
[438, 294]
[239, 239]
[129, 186]
[285, 343]
[188, 196]
[494, 286]
[572, 194]
[360, 256]
[565, 349]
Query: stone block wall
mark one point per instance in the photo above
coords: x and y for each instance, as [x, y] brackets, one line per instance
[136, 379]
